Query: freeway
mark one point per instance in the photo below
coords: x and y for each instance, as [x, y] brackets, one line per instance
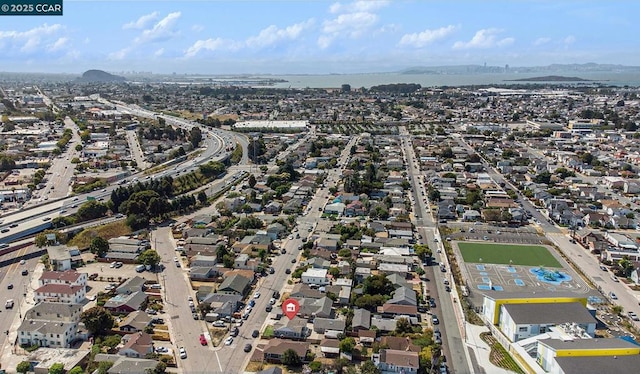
[30, 220]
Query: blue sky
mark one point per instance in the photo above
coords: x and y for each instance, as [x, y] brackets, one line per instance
[317, 37]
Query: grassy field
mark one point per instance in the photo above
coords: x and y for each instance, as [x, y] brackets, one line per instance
[526, 255]
[108, 231]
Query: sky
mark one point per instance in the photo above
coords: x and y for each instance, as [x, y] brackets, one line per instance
[317, 37]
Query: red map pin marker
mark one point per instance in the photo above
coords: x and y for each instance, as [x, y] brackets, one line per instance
[290, 307]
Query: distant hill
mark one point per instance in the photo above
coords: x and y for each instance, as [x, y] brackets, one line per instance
[553, 68]
[99, 76]
[550, 78]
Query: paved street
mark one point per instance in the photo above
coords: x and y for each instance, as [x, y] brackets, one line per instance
[451, 324]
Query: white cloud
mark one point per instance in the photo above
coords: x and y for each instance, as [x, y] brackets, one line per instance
[541, 41]
[273, 34]
[485, 38]
[161, 31]
[29, 41]
[120, 55]
[197, 28]
[358, 6]
[141, 22]
[205, 45]
[352, 20]
[58, 44]
[159, 52]
[569, 40]
[425, 37]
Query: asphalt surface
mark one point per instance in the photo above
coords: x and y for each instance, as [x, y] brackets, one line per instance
[451, 327]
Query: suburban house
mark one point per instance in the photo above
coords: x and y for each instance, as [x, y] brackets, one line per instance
[61, 293]
[131, 285]
[295, 328]
[124, 303]
[137, 345]
[51, 324]
[274, 350]
[235, 285]
[134, 322]
[315, 276]
[395, 361]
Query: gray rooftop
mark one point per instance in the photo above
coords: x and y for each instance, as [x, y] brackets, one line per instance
[599, 364]
[549, 313]
[611, 343]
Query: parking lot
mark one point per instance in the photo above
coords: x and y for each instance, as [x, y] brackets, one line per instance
[107, 276]
[513, 235]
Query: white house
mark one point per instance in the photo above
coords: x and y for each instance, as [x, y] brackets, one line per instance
[50, 324]
[69, 277]
[61, 293]
[315, 276]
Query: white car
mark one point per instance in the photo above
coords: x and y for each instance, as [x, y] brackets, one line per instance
[183, 353]
[256, 295]
[228, 341]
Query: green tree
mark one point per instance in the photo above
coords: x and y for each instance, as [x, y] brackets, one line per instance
[98, 320]
[23, 367]
[91, 210]
[315, 366]
[252, 181]
[104, 366]
[202, 197]
[149, 257]
[291, 358]
[76, 370]
[195, 137]
[99, 246]
[403, 326]
[347, 344]
[57, 368]
[377, 285]
[626, 266]
[422, 251]
[368, 367]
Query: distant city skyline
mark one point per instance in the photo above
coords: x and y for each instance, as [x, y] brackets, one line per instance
[317, 37]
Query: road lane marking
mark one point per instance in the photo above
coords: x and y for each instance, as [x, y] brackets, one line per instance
[218, 358]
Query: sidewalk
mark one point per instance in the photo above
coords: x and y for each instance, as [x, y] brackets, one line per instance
[479, 351]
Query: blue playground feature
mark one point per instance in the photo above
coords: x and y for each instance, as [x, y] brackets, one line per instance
[519, 282]
[486, 280]
[480, 267]
[511, 269]
[554, 277]
[484, 287]
[498, 288]
[483, 273]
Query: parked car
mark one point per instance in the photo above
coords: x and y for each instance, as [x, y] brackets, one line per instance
[203, 340]
[435, 320]
[228, 341]
[247, 347]
[162, 349]
[255, 333]
[183, 353]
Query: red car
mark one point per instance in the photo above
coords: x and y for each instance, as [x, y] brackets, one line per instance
[203, 340]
